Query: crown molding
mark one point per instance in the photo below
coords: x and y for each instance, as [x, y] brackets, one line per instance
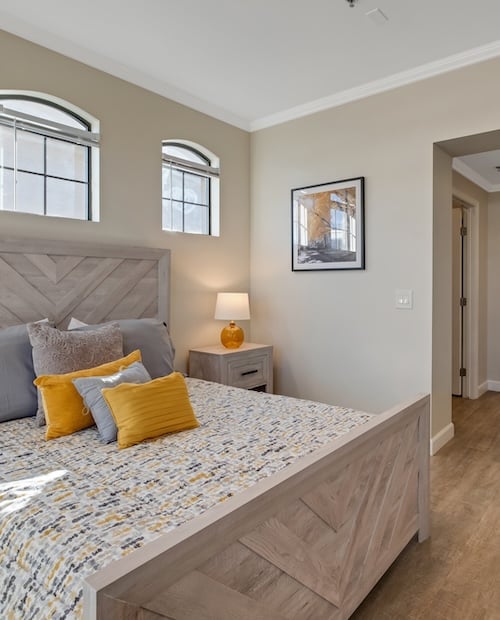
[444, 65]
[466, 171]
[66, 47]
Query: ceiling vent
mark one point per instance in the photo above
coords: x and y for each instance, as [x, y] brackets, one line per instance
[377, 16]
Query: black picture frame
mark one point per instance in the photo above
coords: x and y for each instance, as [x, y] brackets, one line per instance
[328, 227]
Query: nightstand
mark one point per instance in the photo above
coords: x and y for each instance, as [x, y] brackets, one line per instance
[250, 366]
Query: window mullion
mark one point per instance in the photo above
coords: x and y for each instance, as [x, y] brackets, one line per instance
[183, 203]
[15, 166]
[89, 184]
[170, 198]
[209, 208]
[45, 176]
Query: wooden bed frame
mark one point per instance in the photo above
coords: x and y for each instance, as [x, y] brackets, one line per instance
[94, 283]
[308, 542]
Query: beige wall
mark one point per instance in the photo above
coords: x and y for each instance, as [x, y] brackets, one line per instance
[338, 336]
[494, 290]
[441, 385]
[133, 123]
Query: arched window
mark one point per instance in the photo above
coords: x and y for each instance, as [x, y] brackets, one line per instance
[48, 157]
[190, 194]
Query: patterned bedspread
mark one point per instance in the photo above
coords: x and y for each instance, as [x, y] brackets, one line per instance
[70, 506]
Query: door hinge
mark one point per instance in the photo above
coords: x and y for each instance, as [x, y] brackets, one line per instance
[463, 231]
[463, 372]
[463, 301]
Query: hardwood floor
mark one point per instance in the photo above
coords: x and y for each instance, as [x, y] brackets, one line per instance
[455, 575]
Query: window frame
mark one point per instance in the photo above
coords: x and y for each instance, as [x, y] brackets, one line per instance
[87, 137]
[208, 171]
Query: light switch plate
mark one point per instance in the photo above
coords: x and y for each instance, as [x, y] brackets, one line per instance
[404, 298]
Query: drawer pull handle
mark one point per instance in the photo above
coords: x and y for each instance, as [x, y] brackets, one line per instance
[249, 372]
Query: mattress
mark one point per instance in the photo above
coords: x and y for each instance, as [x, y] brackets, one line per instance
[73, 505]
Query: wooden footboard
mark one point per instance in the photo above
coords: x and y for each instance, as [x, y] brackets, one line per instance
[307, 542]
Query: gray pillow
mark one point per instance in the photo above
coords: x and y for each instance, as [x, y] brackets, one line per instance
[90, 388]
[17, 392]
[56, 352]
[152, 338]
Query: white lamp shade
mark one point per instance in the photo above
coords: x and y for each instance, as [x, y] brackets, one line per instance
[232, 307]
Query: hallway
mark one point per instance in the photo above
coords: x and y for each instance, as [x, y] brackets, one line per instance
[455, 575]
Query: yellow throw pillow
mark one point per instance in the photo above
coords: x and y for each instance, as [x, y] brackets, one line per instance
[64, 408]
[148, 410]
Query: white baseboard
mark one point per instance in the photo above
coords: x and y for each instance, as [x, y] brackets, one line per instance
[443, 437]
[494, 386]
[484, 387]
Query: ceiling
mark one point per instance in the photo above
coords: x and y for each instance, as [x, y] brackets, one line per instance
[256, 63]
[481, 168]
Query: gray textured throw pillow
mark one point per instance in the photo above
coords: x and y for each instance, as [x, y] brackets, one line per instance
[90, 388]
[17, 392]
[56, 352]
[151, 337]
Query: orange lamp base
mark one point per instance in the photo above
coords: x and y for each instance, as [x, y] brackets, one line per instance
[232, 336]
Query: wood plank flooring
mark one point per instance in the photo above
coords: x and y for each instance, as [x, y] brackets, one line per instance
[455, 575]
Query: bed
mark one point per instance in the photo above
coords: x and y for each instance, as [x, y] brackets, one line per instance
[295, 513]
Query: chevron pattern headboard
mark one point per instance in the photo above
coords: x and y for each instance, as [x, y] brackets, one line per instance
[94, 283]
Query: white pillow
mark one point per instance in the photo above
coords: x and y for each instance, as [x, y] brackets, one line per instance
[74, 323]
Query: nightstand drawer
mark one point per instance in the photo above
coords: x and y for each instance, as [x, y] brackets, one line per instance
[248, 372]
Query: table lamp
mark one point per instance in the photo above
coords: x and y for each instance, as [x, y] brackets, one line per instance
[232, 307]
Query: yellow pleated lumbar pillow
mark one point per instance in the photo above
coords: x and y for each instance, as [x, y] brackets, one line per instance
[149, 410]
[65, 411]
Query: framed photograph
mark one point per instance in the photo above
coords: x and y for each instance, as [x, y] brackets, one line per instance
[328, 226]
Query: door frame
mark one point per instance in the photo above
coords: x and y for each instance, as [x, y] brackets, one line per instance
[470, 385]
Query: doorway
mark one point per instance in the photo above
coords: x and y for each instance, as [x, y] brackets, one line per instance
[460, 228]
